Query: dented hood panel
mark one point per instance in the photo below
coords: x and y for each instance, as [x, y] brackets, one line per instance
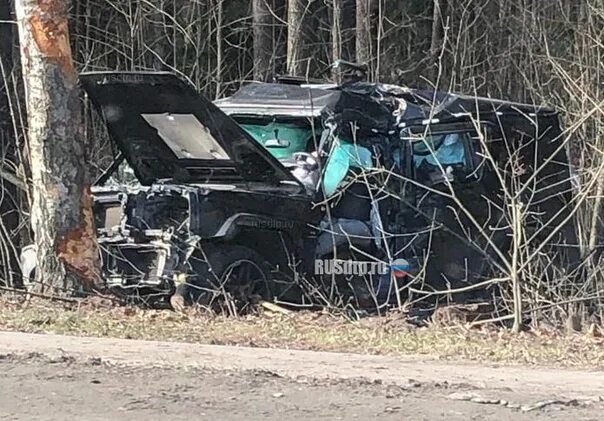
[167, 131]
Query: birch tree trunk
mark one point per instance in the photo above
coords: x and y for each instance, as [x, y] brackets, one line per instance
[336, 33]
[263, 43]
[157, 41]
[363, 32]
[436, 39]
[295, 16]
[219, 16]
[61, 213]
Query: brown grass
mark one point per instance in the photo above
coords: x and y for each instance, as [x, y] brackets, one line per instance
[305, 330]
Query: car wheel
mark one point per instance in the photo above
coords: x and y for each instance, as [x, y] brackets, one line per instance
[224, 273]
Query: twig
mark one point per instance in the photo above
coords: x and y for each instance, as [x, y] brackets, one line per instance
[37, 294]
[275, 308]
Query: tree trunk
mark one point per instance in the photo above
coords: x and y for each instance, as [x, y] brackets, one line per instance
[263, 42]
[363, 30]
[9, 199]
[219, 16]
[436, 40]
[6, 56]
[295, 16]
[62, 219]
[336, 33]
[6, 33]
[157, 43]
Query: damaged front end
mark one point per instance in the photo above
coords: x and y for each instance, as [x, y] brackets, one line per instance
[144, 235]
[185, 179]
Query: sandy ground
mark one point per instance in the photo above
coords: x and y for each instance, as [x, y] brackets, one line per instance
[56, 377]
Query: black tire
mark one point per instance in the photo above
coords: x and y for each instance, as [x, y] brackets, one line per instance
[219, 270]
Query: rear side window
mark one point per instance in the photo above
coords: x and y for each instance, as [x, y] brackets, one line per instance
[440, 153]
[446, 149]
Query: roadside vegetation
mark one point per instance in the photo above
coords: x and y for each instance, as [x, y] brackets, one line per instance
[320, 331]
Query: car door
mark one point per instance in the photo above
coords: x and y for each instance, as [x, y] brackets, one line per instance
[449, 216]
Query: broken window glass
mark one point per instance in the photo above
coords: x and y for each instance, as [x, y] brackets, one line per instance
[123, 176]
[452, 156]
[446, 149]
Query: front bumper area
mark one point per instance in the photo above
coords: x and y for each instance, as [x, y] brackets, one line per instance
[157, 263]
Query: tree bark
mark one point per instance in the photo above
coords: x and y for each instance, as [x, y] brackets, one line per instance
[9, 209]
[6, 33]
[436, 39]
[6, 55]
[219, 17]
[157, 37]
[336, 33]
[363, 31]
[62, 218]
[263, 41]
[295, 17]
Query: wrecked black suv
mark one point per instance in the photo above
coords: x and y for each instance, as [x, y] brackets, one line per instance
[245, 196]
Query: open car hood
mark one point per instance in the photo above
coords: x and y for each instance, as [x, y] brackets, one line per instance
[166, 130]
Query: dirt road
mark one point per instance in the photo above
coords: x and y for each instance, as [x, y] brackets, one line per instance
[56, 377]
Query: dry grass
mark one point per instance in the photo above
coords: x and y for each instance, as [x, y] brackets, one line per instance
[315, 331]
